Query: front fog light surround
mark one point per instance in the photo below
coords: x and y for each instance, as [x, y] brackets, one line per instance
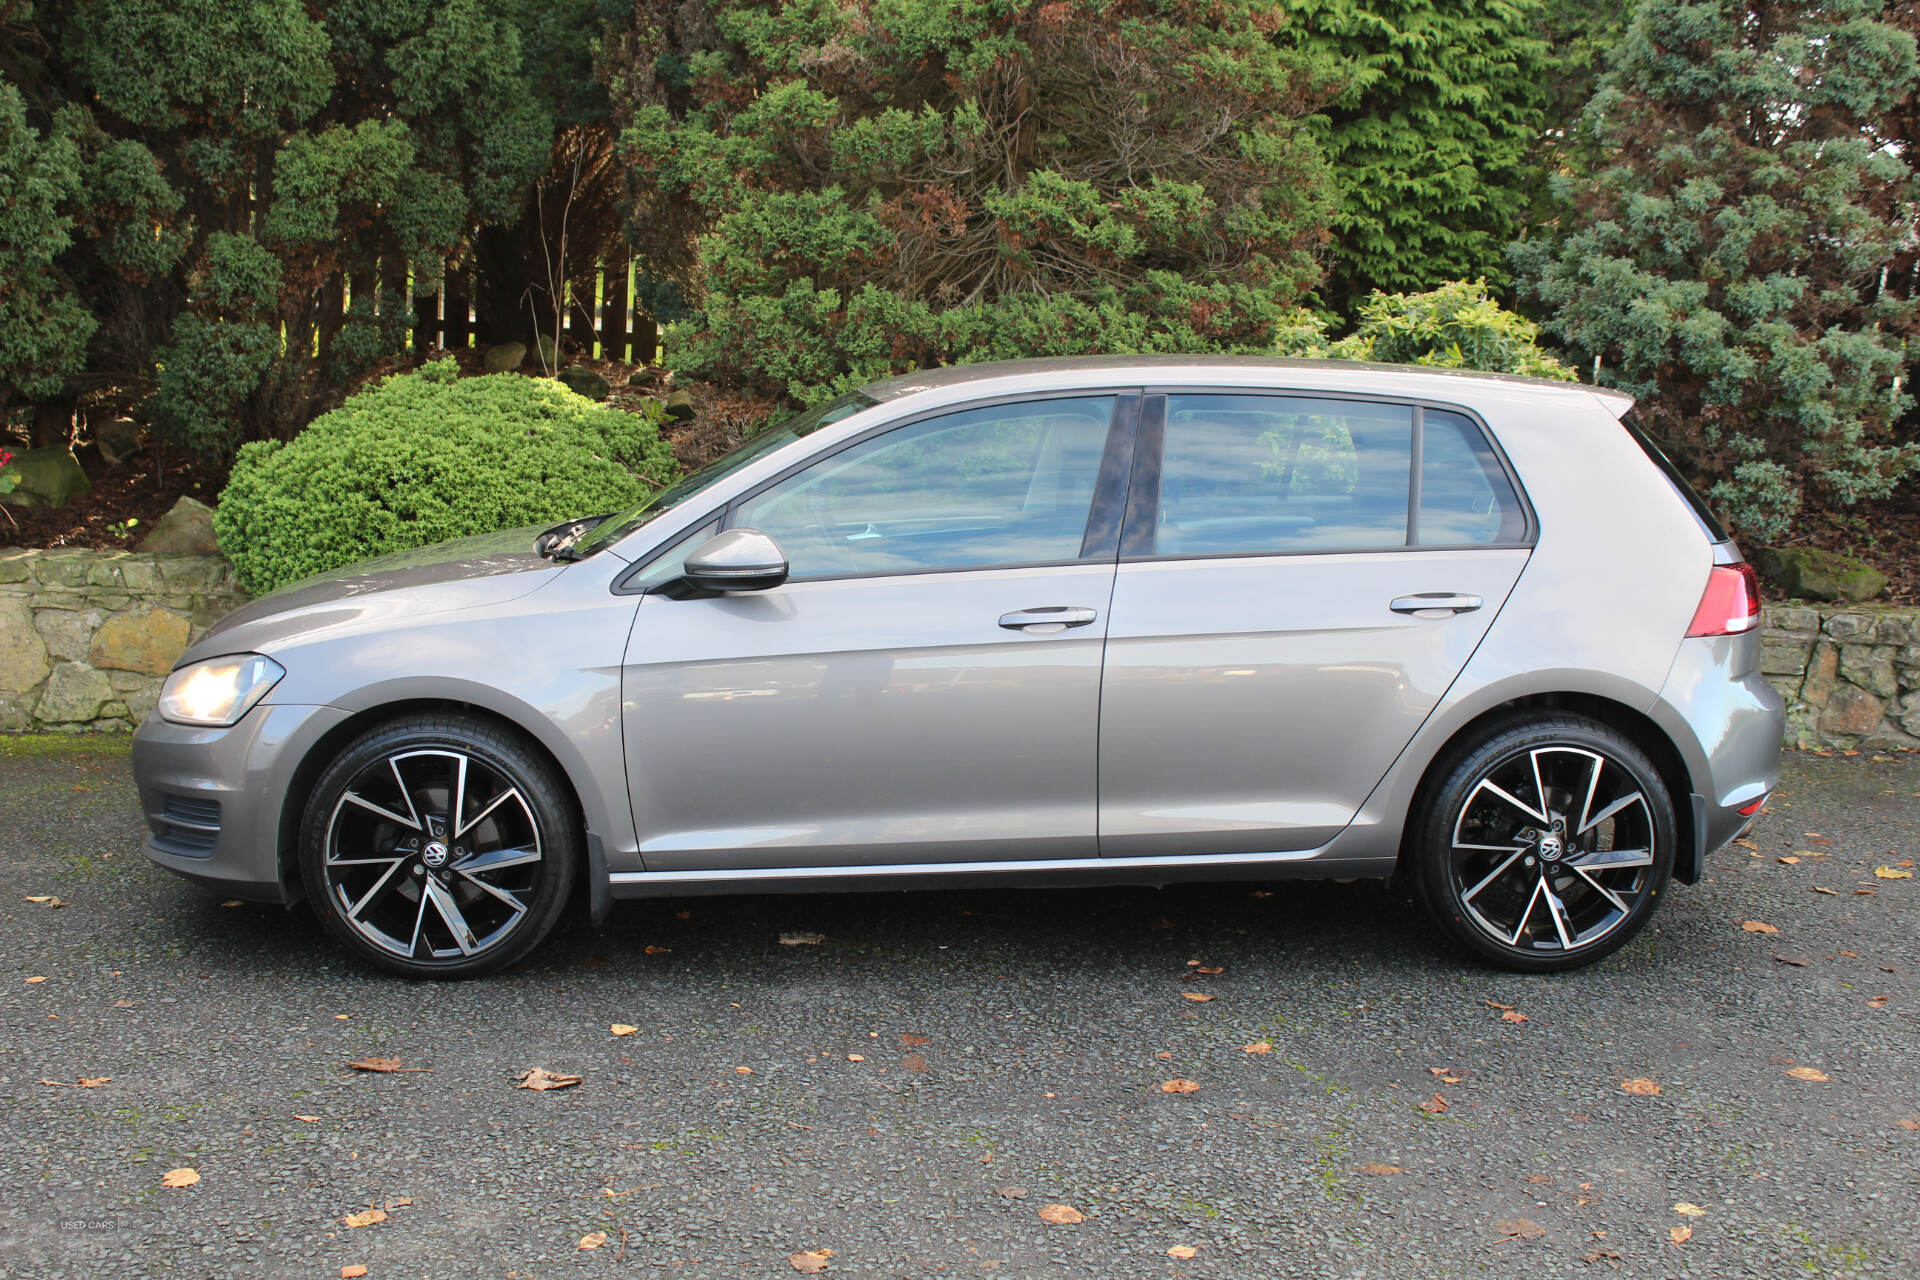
[219, 691]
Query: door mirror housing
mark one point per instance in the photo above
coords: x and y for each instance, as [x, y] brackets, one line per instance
[736, 560]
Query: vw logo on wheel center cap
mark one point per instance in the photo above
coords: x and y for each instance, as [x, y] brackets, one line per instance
[1550, 848]
[435, 854]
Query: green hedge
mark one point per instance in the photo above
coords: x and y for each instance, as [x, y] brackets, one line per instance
[427, 456]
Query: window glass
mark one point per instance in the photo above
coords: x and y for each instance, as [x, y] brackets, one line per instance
[1282, 473]
[1464, 495]
[1006, 484]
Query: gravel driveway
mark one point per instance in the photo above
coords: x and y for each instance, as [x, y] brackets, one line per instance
[913, 1090]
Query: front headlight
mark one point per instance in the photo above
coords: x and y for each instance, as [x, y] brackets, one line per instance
[218, 691]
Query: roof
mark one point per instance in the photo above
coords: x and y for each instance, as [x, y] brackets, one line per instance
[1618, 402]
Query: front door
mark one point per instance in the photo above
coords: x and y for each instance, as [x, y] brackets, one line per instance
[1301, 579]
[926, 685]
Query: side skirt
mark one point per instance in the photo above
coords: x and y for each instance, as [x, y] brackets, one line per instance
[1302, 864]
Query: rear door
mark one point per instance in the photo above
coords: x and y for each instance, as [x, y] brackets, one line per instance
[1301, 577]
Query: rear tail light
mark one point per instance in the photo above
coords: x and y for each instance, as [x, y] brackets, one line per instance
[1731, 603]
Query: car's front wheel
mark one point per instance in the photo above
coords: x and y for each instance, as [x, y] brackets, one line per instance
[439, 846]
[1546, 845]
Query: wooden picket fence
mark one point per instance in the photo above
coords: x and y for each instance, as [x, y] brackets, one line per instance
[601, 321]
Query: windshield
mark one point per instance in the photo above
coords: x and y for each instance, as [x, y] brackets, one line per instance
[620, 524]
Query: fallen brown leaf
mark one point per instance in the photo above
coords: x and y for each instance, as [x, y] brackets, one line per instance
[1814, 837]
[591, 1240]
[398, 1202]
[652, 950]
[37, 978]
[1520, 1229]
[1873, 1002]
[541, 1079]
[46, 900]
[1182, 1251]
[1792, 862]
[1641, 1087]
[802, 939]
[1446, 1075]
[1495, 1004]
[743, 1071]
[1809, 1074]
[1061, 1215]
[1258, 1046]
[1798, 962]
[1436, 1106]
[1831, 893]
[622, 1029]
[811, 1263]
[1910, 1123]
[1514, 1016]
[233, 902]
[352, 1272]
[1179, 1086]
[1679, 1235]
[1689, 1209]
[1892, 873]
[1758, 926]
[855, 1057]
[179, 1178]
[1864, 893]
[365, 1218]
[1198, 997]
[309, 1119]
[1380, 1170]
[1211, 971]
[912, 1041]
[384, 1065]
[1745, 843]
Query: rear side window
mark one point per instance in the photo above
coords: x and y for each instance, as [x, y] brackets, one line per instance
[1257, 473]
[1465, 497]
[1709, 522]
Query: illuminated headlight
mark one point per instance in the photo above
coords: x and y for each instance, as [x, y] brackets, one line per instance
[218, 691]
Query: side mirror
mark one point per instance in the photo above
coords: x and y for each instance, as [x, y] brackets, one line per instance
[737, 560]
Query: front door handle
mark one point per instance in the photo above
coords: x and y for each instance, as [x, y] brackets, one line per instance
[1436, 604]
[1047, 621]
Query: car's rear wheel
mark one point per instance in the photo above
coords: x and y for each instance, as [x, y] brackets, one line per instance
[439, 846]
[1546, 844]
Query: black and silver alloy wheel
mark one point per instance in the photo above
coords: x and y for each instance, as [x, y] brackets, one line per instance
[439, 847]
[1547, 845]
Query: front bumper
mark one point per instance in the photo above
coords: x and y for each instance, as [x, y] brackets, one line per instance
[213, 797]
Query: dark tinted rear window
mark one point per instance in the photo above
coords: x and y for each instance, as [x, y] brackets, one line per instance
[1708, 521]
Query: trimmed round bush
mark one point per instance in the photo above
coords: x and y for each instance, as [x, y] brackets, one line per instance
[427, 456]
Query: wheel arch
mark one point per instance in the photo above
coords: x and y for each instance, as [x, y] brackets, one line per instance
[1636, 726]
[324, 749]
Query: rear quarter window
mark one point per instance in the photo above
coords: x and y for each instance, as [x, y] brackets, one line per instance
[1709, 522]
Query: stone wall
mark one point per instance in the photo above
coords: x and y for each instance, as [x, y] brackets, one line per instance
[1850, 673]
[86, 637]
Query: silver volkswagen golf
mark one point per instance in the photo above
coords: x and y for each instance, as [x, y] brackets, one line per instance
[1120, 621]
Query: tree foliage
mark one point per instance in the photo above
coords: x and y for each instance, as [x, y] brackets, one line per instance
[1726, 265]
[216, 170]
[1429, 139]
[1457, 326]
[840, 191]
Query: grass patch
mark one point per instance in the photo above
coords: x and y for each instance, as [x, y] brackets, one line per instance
[37, 746]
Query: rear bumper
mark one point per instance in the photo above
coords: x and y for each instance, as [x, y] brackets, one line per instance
[1728, 724]
[213, 797]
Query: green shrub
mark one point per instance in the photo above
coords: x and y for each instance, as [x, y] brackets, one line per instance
[1457, 326]
[428, 456]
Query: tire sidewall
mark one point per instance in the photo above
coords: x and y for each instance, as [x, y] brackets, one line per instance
[498, 749]
[1433, 833]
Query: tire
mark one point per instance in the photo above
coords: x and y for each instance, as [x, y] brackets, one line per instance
[1543, 889]
[406, 887]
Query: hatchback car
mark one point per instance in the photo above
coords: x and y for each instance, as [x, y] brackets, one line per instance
[1114, 620]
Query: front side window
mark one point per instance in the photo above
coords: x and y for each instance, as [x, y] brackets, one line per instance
[999, 485]
[1244, 474]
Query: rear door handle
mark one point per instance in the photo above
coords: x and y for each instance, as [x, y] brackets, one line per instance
[1048, 620]
[1436, 604]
